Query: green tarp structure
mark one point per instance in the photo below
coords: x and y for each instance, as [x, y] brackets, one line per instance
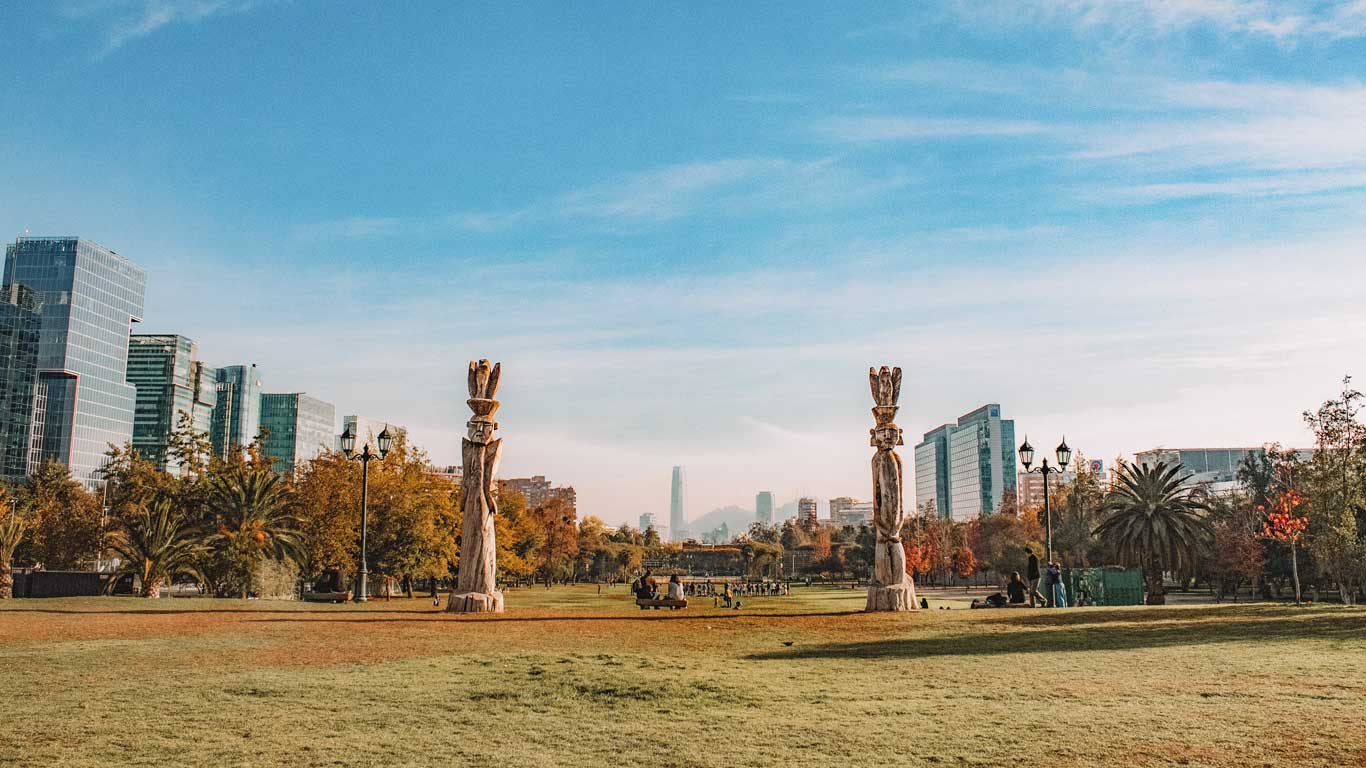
[1103, 586]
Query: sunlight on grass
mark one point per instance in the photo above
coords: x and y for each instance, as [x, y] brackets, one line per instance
[570, 677]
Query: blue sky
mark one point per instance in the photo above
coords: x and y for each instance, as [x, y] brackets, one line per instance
[687, 229]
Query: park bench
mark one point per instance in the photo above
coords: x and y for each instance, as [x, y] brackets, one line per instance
[661, 602]
[327, 597]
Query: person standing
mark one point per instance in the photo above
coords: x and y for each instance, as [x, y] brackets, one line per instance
[1032, 575]
[1057, 595]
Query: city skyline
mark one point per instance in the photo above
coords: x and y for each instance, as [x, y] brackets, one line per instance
[1117, 224]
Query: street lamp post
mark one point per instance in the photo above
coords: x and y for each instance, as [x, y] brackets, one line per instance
[1064, 458]
[348, 441]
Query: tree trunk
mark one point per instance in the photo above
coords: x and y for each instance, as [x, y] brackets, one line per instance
[6, 581]
[1157, 594]
[1295, 570]
[151, 587]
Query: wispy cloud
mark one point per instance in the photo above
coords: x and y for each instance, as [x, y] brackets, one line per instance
[651, 197]
[1168, 138]
[870, 128]
[126, 21]
[1282, 20]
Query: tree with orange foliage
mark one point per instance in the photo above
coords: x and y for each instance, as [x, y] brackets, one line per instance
[1282, 524]
[915, 564]
[964, 561]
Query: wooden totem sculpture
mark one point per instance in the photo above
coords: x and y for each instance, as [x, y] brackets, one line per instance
[475, 585]
[892, 588]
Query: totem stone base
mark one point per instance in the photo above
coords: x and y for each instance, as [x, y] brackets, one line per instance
[897, 597]
[475, 602]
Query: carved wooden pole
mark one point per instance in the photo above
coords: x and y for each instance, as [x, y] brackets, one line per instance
[892, 588]
[475, 583]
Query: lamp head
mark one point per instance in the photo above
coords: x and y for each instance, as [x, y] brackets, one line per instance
[1064, 454]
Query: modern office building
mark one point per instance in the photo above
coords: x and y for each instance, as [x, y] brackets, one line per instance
[19, 322]
[837, 506]
[1214, 468]
[451, 473]
[965, 469]
[86, 298]
[648, 521]
[932, 472]
[237, 414]
[297, 428]
[854, 513]
[678, 498]
[807, 512]
[763, 507]
[169, 382]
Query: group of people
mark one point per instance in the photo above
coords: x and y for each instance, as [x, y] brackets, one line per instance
[1043, 586]
[647, 588]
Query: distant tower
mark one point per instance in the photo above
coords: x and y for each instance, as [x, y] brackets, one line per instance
[678, 516]
[763, 507]
[806, 513]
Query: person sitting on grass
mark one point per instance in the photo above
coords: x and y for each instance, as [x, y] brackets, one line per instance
[675, 588]
[1016, 589]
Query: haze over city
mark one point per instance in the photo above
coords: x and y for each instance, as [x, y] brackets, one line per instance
[687, 234]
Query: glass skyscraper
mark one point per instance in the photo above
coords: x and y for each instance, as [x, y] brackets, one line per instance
[297, 427]
[237, 413]
[931, 472]
[169, 382]
[763, 507]
[86, 298]
[965, 470]
[19, 367]
[678, 515]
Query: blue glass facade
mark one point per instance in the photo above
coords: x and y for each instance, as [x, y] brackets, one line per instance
[19, 369]
[966, 469]
[297, 427]
[237, 414]
[167, 377]
[86, 298]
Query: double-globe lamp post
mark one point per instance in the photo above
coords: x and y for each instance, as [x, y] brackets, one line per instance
[348, 444]
[1064, 458]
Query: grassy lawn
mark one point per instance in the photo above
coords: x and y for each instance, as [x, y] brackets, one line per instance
[568, 677]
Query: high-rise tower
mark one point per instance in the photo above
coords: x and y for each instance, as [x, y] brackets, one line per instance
[237, 415]
[167, 375]
[763, 507]
[85, 298]
[678, 516]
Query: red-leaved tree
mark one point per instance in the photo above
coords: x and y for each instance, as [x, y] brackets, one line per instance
[1282, 524]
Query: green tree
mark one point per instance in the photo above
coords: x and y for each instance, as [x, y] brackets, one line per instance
[1335, 487]
[999, 541]
[13, 527]
[325, 503]
[413, 519]
[155, 544]
[250, 524]
[66, 519]
[1153, 520]
[1076, 509]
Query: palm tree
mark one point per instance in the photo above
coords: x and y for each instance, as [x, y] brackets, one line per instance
[13, 526]
[1152, 519]
[155, 544]
[250, 521]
